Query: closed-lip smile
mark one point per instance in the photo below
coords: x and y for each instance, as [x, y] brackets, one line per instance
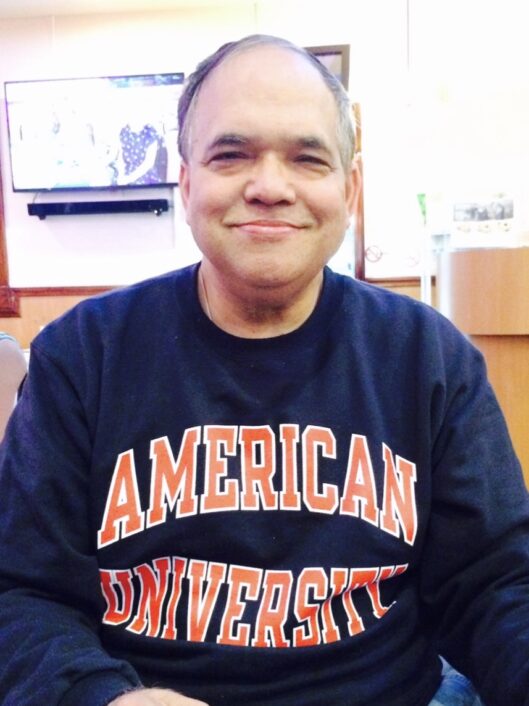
[267, 226]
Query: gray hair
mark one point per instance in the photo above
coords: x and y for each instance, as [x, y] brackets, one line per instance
[188, 99]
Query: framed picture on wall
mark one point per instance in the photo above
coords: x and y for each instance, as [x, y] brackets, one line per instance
[336, 59]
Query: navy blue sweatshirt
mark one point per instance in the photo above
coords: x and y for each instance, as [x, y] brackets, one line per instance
[302, 520]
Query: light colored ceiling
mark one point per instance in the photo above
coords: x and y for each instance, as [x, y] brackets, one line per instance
[39, 8]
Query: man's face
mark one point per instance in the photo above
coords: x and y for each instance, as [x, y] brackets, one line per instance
[264, 189]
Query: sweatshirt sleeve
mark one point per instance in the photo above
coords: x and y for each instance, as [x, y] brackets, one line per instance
[475, 567]
[50, 596]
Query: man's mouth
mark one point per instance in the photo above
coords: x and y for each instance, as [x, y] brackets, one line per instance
[268, 227]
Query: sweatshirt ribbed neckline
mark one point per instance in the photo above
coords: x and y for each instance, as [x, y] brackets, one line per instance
[309, 333]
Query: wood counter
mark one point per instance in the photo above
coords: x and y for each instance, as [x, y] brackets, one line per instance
[485, 292]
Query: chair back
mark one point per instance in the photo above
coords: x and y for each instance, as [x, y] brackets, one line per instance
[13, 368]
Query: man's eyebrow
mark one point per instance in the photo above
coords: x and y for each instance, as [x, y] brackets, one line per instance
[229, 139]
[233, 139]
[312, 142]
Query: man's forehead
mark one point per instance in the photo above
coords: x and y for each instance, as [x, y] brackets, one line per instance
[245, 55]
[248, 82]
[263, 64]
[259, 94]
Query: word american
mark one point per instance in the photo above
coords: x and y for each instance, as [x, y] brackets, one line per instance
[174, 480]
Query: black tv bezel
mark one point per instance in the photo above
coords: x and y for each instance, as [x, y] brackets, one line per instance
[112, 188]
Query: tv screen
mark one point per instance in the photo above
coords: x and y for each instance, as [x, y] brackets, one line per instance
[93, 133]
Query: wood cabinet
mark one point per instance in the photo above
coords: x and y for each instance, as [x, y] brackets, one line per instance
[485, 292]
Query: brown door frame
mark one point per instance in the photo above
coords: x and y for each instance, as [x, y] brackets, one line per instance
[9, 304]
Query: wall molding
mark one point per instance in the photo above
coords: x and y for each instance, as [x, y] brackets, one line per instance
[10, 296]
[395, 282]
[82, 291]
[9, 302]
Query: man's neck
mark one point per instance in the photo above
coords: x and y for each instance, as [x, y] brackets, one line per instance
[259, 314]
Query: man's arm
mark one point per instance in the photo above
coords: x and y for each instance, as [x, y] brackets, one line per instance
[475, 567]
[50, 595]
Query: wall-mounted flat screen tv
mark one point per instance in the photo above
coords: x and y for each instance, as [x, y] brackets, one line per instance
[93, 133]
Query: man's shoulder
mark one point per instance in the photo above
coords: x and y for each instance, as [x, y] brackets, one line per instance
[155, 291]
[378, 299]
[167, 284]
[383, 313]
[137, 306]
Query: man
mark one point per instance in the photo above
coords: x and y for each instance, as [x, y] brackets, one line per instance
[253, 481]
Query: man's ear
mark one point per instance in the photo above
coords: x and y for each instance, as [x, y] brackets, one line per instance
[183, 184]
[354, 186]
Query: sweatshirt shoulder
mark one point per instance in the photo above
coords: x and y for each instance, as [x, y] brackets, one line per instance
[399, 325]
[147, 296]
[161, 288]
[128, 313]
[386, 308]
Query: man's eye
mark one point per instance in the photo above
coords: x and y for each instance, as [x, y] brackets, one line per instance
[227, 156]
[311, 159]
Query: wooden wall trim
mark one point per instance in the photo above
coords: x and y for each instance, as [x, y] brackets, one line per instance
[83, 291]
[88, 291]
[9, 302]
[394, 282]
[9, 305]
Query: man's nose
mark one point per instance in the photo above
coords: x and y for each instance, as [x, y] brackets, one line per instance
[269, 182]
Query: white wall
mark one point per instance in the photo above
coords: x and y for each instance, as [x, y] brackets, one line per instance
[445, 109]
[469, 112]
[116, 249]
[97, 249]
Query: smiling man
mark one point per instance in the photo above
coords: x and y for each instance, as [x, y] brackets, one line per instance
[267, 190]
[252, 481]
